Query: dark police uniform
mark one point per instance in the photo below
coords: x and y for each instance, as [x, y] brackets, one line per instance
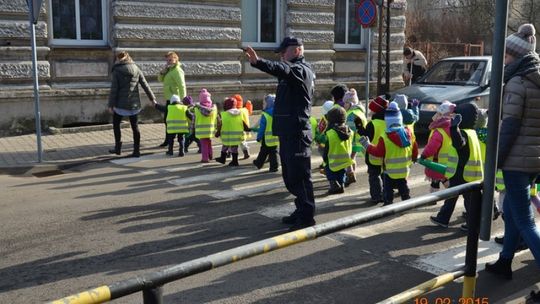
[292, 110]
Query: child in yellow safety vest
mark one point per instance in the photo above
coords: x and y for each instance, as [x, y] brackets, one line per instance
[230, 127]
[205, 124]
[337, 150]
[398, 152]
[439, 145]
[244, 111]
[465, 165]
[177, 117]
[320, 137]
[190, 137]
[356, 121]
[269, 142]
[374, 129]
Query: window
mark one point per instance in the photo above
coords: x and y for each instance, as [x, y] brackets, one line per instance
[347, 32]
[260, 22]
[78, 22]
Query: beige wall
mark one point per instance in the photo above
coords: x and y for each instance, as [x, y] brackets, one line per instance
[74, 82]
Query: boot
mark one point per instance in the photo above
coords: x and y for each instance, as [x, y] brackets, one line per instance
[257, 164]
[503, 267]
[136, 145]
[117, 148]
[246, 154]
[234, 161]
[181, 152]
[335, 188]
[272, 157]
[351, 178]
[170, 150]
[222, 158]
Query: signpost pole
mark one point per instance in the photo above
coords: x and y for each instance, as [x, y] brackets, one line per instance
[366, 15]
[33, 12]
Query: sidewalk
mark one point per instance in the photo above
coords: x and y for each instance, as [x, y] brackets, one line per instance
[74, 146]
[18, 154]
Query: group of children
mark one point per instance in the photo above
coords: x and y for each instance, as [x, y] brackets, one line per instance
[456, 140]
[200, 122]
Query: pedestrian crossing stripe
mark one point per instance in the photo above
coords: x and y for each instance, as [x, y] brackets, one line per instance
[277, 212]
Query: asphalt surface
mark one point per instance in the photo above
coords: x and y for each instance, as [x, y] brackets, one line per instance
[84, 218]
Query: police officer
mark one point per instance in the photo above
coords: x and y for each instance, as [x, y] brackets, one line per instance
[292, 110]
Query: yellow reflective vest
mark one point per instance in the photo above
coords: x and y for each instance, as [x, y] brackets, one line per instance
[447, 154]
[397, 160]
[313, 122]
[339, 151]
[474, 169]
[379, 127]
[232, 129]
[352, 113]
[269, 139]
[177, 121]
[245, 117]
[205, 126]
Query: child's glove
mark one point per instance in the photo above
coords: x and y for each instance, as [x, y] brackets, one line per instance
[415, 102]
[254, 129]
[364, 141]
[456, 120]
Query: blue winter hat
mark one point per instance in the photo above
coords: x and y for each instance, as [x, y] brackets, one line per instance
[269, 100]
[392, 116]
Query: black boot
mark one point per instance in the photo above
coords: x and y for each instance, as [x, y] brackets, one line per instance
[234, 161]
[170, 150]
[222, 158]
[272, 157]
[117, 148]
[136, 145]
[503, 268]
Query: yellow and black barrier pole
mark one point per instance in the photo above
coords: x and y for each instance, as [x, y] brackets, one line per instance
[151, 283]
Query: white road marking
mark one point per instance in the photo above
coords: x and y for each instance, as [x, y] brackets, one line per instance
[453, 258]
[130, 160]
[277, 212]
[208, 177]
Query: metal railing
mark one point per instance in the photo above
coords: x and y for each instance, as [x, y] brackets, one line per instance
[151, 284]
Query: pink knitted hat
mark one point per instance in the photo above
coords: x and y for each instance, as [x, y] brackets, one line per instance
[204, 98]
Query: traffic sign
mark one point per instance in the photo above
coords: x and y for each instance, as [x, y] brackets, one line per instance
[35, 7]
[366, 12]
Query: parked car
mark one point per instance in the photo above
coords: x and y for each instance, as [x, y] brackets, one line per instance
[456, 79]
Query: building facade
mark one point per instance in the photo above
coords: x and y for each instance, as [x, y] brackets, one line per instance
[77, 40]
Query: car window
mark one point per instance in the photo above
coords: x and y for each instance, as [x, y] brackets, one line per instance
[455, 73]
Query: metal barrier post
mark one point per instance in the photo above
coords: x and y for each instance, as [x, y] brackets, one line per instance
[153, 295]
[474, 209]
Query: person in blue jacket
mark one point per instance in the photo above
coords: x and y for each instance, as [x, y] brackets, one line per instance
[269, 142]
[292, 109]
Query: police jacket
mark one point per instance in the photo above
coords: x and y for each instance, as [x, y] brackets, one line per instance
[295, 89]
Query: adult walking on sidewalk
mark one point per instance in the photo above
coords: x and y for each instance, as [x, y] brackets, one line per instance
[172, 77]
[518, 147]
[124, 99]
[292, 109]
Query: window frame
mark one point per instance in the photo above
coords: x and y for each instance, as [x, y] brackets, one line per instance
[346, 45]
[78, 41]
[279, 19]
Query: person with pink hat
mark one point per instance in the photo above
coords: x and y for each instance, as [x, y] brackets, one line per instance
[439, 142]
[205, 122]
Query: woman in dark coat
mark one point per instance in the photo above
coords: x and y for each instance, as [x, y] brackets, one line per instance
[124, 99]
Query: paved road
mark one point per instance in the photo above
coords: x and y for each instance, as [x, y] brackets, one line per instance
[103, 222]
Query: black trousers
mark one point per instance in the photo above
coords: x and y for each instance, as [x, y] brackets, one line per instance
[267, 152]
[133, 120]
[170, 140]
[389, 184]
[374, 178]
[295, 154]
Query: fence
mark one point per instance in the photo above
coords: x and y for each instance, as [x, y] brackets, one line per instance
[435, 51]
